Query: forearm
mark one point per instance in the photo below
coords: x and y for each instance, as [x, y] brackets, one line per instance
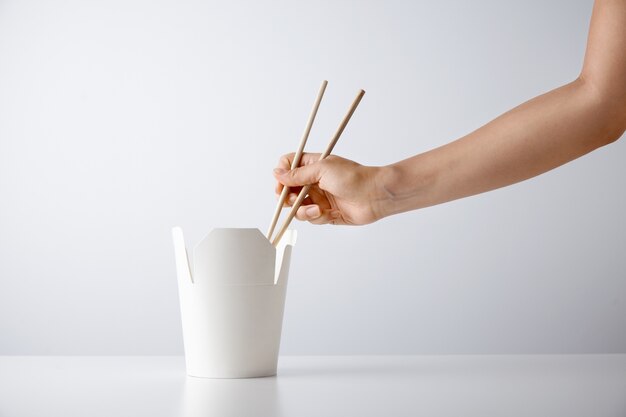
[533, 138]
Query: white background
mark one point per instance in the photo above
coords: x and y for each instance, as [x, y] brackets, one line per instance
[120, 119]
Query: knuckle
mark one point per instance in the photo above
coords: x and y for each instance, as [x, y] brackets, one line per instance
[285, 160]
[309, 158]
[294, 173]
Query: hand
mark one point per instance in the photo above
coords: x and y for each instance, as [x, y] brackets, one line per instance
[342, 192]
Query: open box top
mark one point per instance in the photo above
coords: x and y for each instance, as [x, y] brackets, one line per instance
[233, 257]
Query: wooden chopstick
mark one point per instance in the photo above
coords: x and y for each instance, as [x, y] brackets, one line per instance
[296, 159]
[305, 190]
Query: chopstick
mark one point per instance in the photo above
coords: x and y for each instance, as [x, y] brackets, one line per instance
[296, 159]
[305, 190]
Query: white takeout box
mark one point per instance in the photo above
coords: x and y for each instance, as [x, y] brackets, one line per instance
[232, 298]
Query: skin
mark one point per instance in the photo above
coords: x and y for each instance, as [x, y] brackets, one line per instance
[537, 136]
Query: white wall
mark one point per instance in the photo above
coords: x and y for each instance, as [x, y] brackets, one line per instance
[120, 119]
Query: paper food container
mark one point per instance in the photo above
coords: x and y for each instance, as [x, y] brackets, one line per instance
[232, 297]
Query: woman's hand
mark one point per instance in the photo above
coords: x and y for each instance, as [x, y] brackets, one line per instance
[342, 192]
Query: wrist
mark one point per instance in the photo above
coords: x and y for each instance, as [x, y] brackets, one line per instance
[386, 180]
[404, 186]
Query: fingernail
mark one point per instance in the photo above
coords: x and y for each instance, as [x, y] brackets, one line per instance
[279, 171]
[335, 214]
[312, 212]
[292, 198]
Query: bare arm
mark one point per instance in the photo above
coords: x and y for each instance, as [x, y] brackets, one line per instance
[535, 137]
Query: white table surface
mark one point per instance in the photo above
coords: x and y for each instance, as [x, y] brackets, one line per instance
[542, 385]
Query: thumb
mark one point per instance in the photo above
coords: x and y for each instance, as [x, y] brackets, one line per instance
[297, 177]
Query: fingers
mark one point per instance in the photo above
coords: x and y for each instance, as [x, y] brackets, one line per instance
[284, 164]
[291, 198]
[316, 208]
[286, 161]
[294, 196]
[313, 214]
[328, 217]
[316, 197]
[292, 190]
[297, 177]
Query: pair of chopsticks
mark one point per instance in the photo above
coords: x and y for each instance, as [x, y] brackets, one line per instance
[296, 162]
